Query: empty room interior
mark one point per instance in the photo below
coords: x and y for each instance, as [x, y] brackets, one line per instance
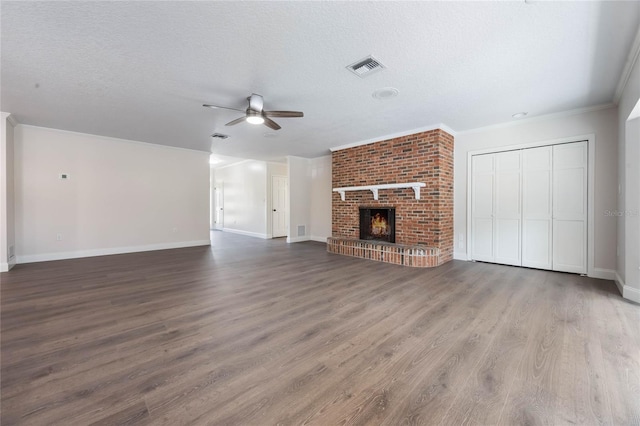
[320, 213]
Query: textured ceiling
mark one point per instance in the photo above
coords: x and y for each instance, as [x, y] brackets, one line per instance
[142, 70]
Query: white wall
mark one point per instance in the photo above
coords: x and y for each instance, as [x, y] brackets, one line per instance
[320, 193]
[122, 196]
[309, 198]
[245, 197]
[631, 242]
[7, 219]
[299, 198]
[602, 123]
[628, 140]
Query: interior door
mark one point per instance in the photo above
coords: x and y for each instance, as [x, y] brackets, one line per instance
[570, 207]
[507, 210]
[537, 207]
[218, 199]
[482, 197]
[279, 206]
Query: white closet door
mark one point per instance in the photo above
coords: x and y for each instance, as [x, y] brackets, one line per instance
[483, 174]
[507, 213]
[570, 207]
[537, 207]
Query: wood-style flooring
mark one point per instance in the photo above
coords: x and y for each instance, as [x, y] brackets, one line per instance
[260, 332]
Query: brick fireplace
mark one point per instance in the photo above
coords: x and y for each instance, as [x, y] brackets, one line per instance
[423, 157]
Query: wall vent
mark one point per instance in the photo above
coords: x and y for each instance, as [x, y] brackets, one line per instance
[301, 230]
[365, 67]
[219, 136]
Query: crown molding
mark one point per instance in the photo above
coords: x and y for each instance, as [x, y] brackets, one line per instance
[10, 118]
[632, 58]
[440, 126]
[539, 118]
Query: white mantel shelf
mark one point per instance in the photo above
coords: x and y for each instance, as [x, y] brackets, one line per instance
[374, 188]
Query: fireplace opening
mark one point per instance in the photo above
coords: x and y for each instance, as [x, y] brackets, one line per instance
[378, 223]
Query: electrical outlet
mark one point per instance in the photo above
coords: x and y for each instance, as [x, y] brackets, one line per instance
[58, 237]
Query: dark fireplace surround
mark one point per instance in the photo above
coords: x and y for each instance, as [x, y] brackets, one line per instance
[378, 223]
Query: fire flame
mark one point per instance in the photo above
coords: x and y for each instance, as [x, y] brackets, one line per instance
[379, 225]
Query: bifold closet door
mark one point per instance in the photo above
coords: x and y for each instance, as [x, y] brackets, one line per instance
[507, 211]
[482, 189]
[570, 207]
[537, 207]
[495, 211]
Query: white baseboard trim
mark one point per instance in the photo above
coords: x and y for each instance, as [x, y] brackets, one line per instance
[631, 293]
[247, 233]
[603, 274]
[318, 239]
[6, 267]
[297, 239]
[458, 255]
[45, 257]
[627, 292]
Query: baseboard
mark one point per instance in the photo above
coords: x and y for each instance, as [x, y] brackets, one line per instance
[297, 239]
[460, 255]
[247, 233]
[627, 292]
[603, 274]
[631, 293]
[6, 267]
[45, 257]
[318, 239]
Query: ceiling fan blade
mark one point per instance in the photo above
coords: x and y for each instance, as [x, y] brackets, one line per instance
[236, 121]
[271, 124]
[256, 103]
[282, 114]
[221, 107]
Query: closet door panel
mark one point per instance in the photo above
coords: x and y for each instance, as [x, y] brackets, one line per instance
[570, 207]
[508, 215]
[537, 208]
[482, 205]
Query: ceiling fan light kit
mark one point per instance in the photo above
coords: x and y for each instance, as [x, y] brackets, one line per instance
[254, 118]
[255, 114]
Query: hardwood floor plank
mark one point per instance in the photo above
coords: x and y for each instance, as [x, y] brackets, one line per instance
[258, 332]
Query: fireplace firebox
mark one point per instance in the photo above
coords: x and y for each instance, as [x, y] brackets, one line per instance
[378, 223]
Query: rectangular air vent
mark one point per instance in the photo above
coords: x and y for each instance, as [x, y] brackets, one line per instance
[219, 136]
[365, 67]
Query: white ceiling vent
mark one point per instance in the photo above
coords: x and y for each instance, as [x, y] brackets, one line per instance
[365, 67]
[219, 136]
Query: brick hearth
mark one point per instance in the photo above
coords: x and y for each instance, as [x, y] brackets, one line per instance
[424, 157]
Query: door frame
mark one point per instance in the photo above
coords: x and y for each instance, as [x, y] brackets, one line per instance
[591, 143]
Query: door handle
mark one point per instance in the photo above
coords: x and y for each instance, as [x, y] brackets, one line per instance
[274, 210]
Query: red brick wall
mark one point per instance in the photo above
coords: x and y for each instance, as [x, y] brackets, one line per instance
[424, 157]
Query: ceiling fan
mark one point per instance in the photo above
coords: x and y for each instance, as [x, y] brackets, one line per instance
[254, 113]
